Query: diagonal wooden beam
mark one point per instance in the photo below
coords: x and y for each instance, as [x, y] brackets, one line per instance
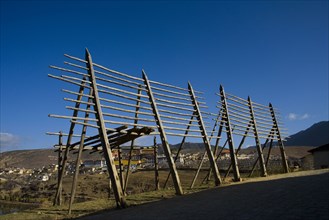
[280, 140]
[77, 163]
[139, 92]
[238, 149]
[163, 136]
[180, 147]
[117, 189]
[68, 143]
[205, 136]
[258, 144]
[205, 152]
[263, 147]
[60, 158]
[229, 133]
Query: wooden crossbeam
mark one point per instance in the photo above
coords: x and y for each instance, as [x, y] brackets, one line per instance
[115, 139]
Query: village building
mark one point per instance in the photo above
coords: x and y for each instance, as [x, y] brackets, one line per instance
[225, 154]
[320, 156]
[307, 162]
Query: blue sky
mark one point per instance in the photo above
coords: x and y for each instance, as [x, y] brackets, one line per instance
[274, 51]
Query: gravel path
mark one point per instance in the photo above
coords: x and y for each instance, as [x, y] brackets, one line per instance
[299, 195]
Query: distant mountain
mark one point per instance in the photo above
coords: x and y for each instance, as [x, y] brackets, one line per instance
[316, 135]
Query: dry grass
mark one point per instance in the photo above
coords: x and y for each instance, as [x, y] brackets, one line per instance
[141, 185]
[92, 190]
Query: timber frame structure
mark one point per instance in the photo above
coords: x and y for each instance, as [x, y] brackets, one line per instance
[245, 118]
[111, 108]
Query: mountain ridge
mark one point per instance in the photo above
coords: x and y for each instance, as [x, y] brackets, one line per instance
[316, 135]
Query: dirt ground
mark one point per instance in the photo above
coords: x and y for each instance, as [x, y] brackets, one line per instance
[299, 195]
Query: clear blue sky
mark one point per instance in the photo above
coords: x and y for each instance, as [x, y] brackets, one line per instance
[274, 51]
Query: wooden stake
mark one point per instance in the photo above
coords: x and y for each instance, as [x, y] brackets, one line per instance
[60, 158]
[156, 165]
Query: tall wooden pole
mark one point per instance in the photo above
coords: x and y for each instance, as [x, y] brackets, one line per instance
[164, 140]
[205, 137]
[120, 166]
[271, 136]
[156, 164]
[78, 161]
[180, 148]
[219, 134]
[68, 142]
[117, 189]
[205, 152]
[238, 149]
[258, 144]
[229, 133]
[280, 141]
[60, 158]
[263, 147]
[133, 141]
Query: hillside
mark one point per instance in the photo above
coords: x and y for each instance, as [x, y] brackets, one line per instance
[316, 135]
[36, 158]
[39, 158]
[299, 144]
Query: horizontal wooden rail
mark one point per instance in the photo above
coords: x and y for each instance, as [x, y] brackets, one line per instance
[67, 80]
[120, 90]
[62, 134]
[80, 109]
[86, 124]
[123, 96]
[123, 103]
[76, 93]
[71, 117]
[79, 101]
[69, 71]
[76, 65]
[171, 86]
[75, 58]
